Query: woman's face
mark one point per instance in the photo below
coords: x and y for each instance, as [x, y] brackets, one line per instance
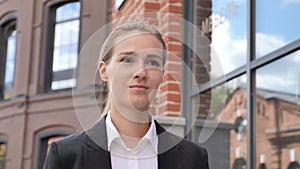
[134, 71]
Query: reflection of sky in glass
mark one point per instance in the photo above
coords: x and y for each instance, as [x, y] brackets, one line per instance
[276, 24]
[229, 34]
[66, 45]
[68, 11]
[118, 3]
[65, 54]
[62, 84]
[10, 61]
[282, 75]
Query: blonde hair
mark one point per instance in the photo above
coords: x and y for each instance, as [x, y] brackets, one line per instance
[111, 40]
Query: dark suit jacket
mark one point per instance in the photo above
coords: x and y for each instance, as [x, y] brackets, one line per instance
[88, 150]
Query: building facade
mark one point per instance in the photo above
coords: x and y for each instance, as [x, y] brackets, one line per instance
[231, 80]
[36, 101]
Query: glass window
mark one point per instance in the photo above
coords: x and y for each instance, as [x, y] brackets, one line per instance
[64, 56]
[44, 148]
[222, 111]
[276, 24]
[8, 57]
[239, 163]
[278, 102]
[224, 24]
[3, 151]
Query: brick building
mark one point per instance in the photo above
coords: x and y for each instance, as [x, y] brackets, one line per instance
[49, 86]
[44, 96]
[278, 134]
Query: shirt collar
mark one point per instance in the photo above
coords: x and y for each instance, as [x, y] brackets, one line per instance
[113, 134]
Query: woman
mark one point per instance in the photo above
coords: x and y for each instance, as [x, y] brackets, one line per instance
[131, 64]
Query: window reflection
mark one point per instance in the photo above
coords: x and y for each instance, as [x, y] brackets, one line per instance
[44, 148]
[8, 46]
[66, 40]
[276, 25]
[225, 105]
[278, 111]
[3, 151]
[10, 63]
[224, 24]
[68, 11]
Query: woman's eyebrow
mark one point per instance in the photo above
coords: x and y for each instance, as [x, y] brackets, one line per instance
[154, 56]
[126, 53]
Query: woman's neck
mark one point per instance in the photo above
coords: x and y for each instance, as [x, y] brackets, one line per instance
[130, 130]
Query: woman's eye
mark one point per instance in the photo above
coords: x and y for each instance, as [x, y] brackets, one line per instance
[126, 60]
[153, 63]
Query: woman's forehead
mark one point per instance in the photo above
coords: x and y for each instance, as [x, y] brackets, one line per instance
[137, 42]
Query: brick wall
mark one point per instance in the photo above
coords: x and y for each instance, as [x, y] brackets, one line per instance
[201, 62]
[158, 13]
[167, 16]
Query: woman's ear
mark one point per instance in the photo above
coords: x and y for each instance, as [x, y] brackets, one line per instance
[103, 71]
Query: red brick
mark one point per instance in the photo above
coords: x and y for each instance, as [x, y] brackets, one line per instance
[173, 28]
[165, 2]
[172, 107]
[173, 97]
[172, 77]
[171, 39]
[167, 19]
[174, 47]
[170, 87]
[174, 57]
[173, 67]
[152, 5]
[169, 8]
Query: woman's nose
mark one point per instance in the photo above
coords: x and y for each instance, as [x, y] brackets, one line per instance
[141, 72]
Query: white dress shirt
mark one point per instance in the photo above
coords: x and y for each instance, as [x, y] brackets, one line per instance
[143, 156]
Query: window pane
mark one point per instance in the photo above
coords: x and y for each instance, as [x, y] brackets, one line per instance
[277, 24]
[66, 42]
[68, 11]
[45, 142]
[278, 112]
[3, 151]
[225, 25]
[62, 84]
[224, 111]
[66, 45]
[10, 63]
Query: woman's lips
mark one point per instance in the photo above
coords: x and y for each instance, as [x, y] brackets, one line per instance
[138, 87]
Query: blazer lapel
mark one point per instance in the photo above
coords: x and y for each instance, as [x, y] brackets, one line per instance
[97, 156]
[168, 149]
[95, 152]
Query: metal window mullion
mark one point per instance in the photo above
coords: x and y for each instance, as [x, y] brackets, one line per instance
[67, 20]
[62, 75]
[251, 94]
[218, 81]
[275, 55]
[188, 13]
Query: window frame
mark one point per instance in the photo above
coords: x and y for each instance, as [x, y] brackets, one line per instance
[41, 140]
[7, 23]
[48, 49]
[4, 141]
[249, 69]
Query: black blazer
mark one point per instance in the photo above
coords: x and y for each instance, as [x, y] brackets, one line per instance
[88, 150]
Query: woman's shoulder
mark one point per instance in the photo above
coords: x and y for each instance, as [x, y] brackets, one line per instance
[71, 143]
[197, 154]
[192, 147]
[72, 139]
